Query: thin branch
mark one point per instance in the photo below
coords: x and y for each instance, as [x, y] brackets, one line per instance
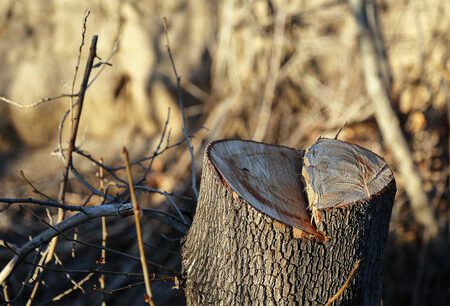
[155, 279]
[154, 190]
[161, 138]
[340, 130]
[37, 103]
[33, 188]
[29, 276]
[73, 137]
[92, 245]
[60, 263]
[140, 160]
[77, 66]
[274, 70]
[44, 203]
[46, 236]
[10, 246]
[60, 132]
[78, 271]
[36, 279]
[101, 279]
[345, 285]
[112, 170]
[91, 188]
[136, 210]
[75, 287]
[174, 205]
[166, 218]
[5, 294]
[114, 50]
[183, 115]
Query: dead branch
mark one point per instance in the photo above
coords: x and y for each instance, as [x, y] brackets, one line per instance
[158, 147]
[37, 103]
[33, 187]
[43, 203]
[73, 136]
[345, 285]
[75, 287]
[101, 279]
[137, 221]
[274, 70]
[89, 244]
[46, 236]
[5, 294]
[183, 115]
[77, 67]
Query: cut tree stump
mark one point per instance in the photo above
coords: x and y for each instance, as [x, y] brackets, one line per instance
[275, 225]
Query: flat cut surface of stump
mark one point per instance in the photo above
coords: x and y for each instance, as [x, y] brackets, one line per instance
[338, 173]
[268, 177]
[280, 181]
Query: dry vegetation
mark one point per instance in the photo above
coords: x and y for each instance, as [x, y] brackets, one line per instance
[280, 71]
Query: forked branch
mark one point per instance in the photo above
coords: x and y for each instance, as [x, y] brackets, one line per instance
[73, 138]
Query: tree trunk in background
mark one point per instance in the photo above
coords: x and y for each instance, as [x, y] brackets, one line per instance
[375, 75]
[255, 239]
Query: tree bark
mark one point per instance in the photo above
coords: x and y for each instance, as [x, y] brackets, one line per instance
[277, 226]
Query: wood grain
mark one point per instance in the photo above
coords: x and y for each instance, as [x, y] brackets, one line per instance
[268, 177]
[338, 173]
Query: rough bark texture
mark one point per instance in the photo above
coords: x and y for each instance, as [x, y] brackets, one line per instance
[236, 255]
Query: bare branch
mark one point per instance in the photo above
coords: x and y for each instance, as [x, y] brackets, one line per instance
[73, 136]
[37, 103]
[44, 203]
[77, 66]
[91, 188]
[274, 70]
[183, 115]
[137, 221]
[161, 138]
[33, 188]
[101, 279]
[46, 236]
[75, 287]
[345, 285]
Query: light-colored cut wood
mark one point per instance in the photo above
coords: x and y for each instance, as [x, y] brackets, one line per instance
[338, 173]
[268, 177]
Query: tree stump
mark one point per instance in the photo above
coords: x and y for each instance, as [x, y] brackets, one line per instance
[275, 225]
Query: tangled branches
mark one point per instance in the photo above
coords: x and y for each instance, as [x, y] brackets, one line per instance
[110, 199]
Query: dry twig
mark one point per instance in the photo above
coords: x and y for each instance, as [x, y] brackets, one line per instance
[37, 103]
[345, 285]
[77, 66]
[36, 278]
[43, 203]
[75, 287]
[183, 115]
[5, 294]
[73, 137]
[137, 211]
[46, 236]
[104, 232]
[270, 87]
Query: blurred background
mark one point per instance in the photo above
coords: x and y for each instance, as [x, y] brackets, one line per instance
[283, 72]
